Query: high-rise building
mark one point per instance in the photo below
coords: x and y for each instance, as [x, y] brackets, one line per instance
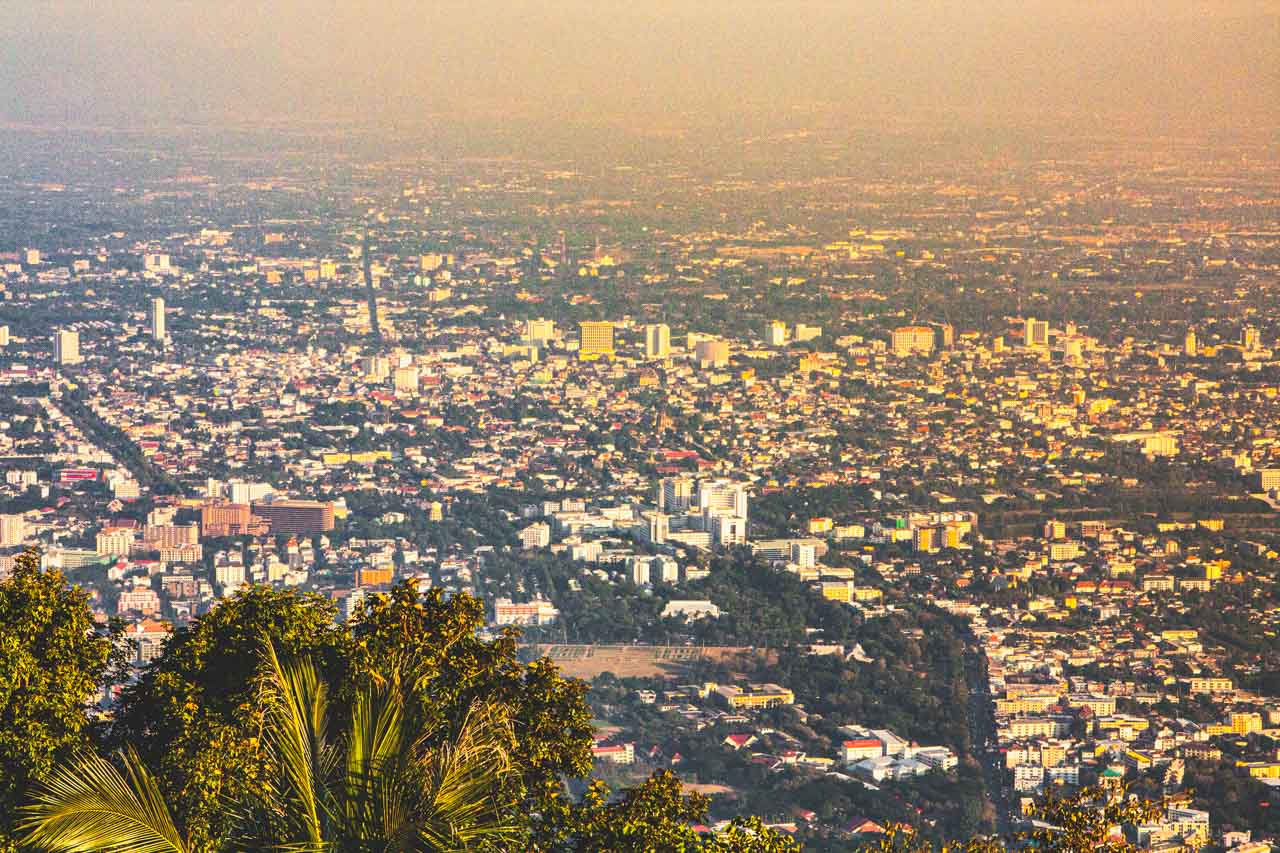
[66, 347]
[156, 317]
[32, 257]
[912, 340]
[675, 494]
[405, 380]
[721, 497]
[595, 339]
[539, 332]
[776, 334]
[1035, 333]
[536, 535]
[4, 336]
[1250, 339]
[639, 570]
[714, 353]
[655, 527]
[944, 335]
[297, 518]
[376, 368]
[13, 530]
[657, 340]
[1189, 344]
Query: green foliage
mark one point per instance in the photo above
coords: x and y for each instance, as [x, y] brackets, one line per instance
[655, 817]
[196, 714]
[549, 714]
[53, 657]
[1080, 823]
[87, 804]
[369, 785]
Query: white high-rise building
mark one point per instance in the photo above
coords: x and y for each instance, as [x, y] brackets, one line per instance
[536, 535]
[13, 530]
[156, 317]
[639, 570]
[4, 336]
[66, 347]
[722, 497]
[776, 334]
[657, 340]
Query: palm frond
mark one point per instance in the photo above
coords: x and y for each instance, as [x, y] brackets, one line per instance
[300, 717]
[88, 806]
[460, 779]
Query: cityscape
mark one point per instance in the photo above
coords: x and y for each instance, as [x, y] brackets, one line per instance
[868, 480]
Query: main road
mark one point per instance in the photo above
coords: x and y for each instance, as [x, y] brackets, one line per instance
[982, 734]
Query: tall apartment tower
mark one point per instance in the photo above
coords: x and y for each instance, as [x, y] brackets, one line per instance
[156, 317]
[66, 347]
[1036, 333]
[657, 340]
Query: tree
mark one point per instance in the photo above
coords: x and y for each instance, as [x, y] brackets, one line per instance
[370, 784]
[53, 658]
[655, 817]
[549, 713]
[1080, 823]
[196, 713]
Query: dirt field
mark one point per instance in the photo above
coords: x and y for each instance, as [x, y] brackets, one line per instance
[588, 661]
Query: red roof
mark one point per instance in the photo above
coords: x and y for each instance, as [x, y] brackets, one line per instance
[862, 743]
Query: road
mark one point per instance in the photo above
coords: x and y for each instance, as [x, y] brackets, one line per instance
[982, 734]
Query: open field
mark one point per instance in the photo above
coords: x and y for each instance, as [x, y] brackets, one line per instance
[588, 661]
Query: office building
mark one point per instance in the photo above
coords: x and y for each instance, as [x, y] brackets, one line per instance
[376, 368]
[114, 541]
[721, 497]
[675, 494]
[32, 257]
[1250, 340]
[66, 347]
[1189, 344]
[156, 318]
[944, 335]
[776, 334]
[595, 339]
[657, 340]
[405, 380]
[4, 336]
[536, 535]
[297, 518]
[912, 340]
[13, 530]
[539, 332]
[1035, 333]
[536, 612]
[805, 332]
[712, 353]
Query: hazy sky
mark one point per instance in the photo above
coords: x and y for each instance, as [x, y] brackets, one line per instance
[138, 61]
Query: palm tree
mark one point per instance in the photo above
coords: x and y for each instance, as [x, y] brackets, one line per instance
[385, 782]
